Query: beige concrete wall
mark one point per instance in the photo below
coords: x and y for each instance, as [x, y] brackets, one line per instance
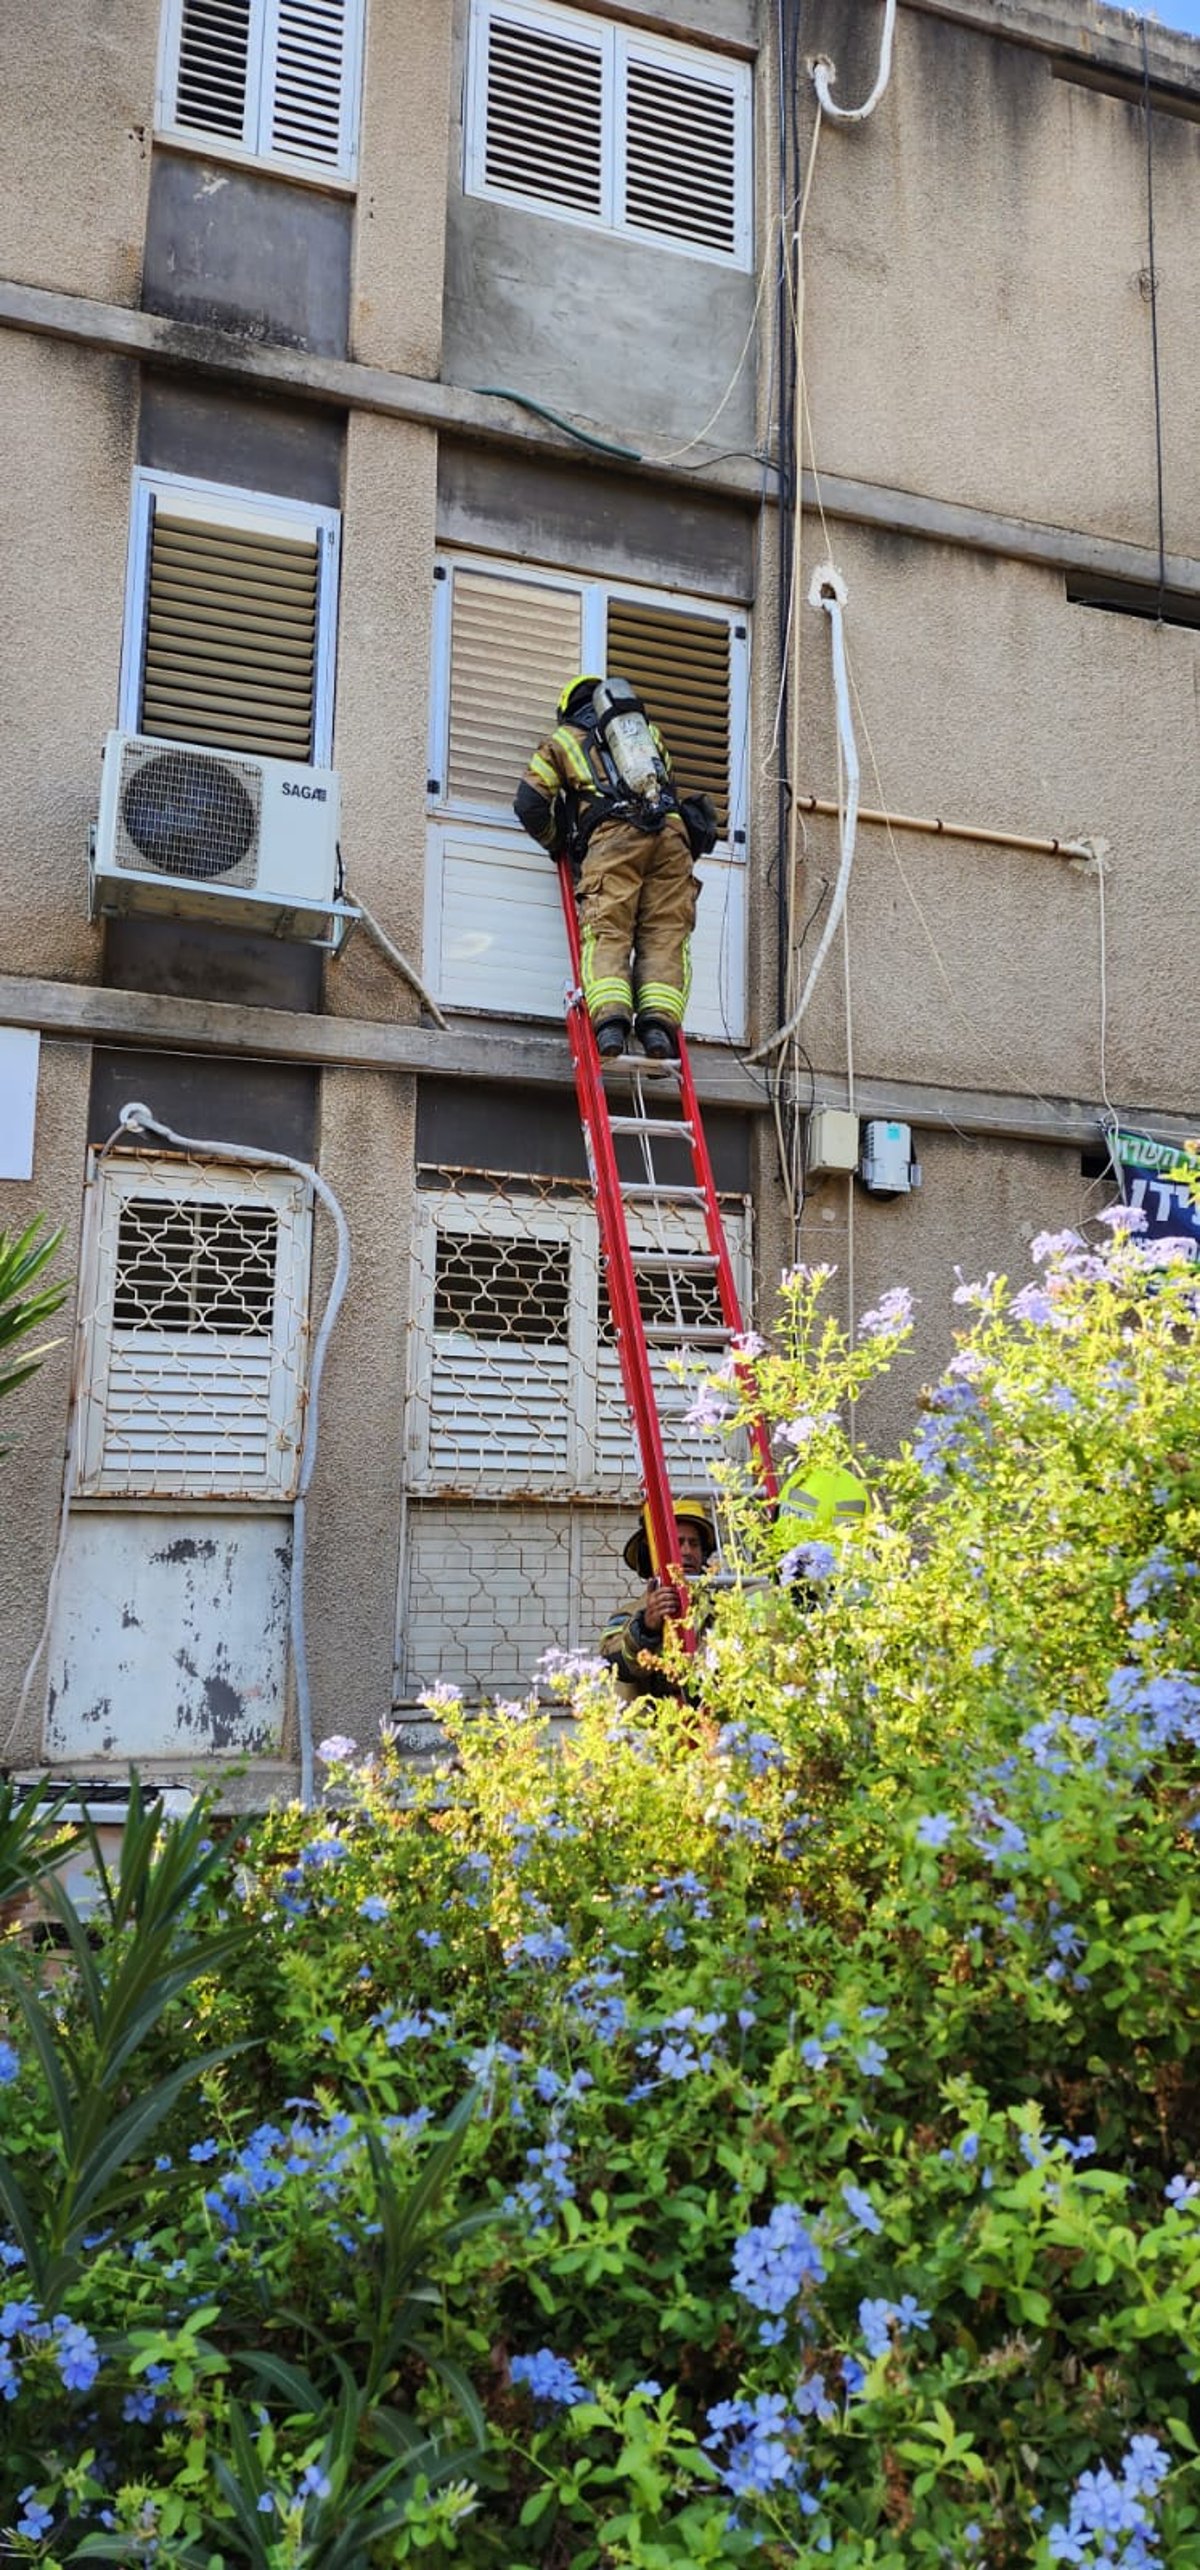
[33, 1420]
[66, 444]
[986, 698]
[381, 743]
[367, 1127]
[977, 324]
[396, 312]
[980, 1206]
[78, 87]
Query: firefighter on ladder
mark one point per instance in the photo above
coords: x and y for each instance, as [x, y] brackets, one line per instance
[598, 789]
[632, 1641]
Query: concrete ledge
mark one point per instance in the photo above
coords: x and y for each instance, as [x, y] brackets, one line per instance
[491, 1051]
[145, 338]
[488, 1050]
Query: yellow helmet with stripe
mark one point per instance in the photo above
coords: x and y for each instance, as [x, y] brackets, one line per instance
[693, 1512]
[824, 1500]
[583, 680]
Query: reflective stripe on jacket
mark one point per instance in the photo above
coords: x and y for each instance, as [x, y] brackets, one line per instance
[571, 761]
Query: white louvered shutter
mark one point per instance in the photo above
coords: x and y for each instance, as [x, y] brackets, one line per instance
[216, 66]
[682, 168]
[308, 83]
[195, 1334]
[681, 664]
[514, 644]
[277, 77]
[232, 622]
[541, 110]
[497, 1392]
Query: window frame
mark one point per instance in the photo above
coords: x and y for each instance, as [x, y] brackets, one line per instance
[594, 593]
[341, 174]
[118, 1178]
[223, 504]
[594, 1398]
[617, 44]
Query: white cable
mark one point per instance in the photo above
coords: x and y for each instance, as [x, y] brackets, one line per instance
[136, 1118]
[392, 955]
[828, 590]
[823, 70]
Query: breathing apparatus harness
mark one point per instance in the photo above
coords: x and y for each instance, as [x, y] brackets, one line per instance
[638, 789]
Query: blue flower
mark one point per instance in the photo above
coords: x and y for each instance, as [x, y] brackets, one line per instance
[36, 2519]
[76, 2355]
[17, 2316]
[934, 1829]
[775, 2260]
[10, 2379]
[872, 2059]
[878, 2318]
[648, 2389]
[860, 2206]
[548, 2377]
[206, 2150]
[313, 2483]
[373, 1907]
[10, 2063]
[1178, 2191]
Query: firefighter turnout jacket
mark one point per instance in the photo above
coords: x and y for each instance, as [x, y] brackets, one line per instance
[634, 869]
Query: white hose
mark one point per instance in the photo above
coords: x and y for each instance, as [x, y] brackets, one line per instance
[823, 71]
[828, 590]
[392, 954]
[136, 1118]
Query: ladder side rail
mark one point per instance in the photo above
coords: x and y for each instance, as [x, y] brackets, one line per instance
[632, 1350]
[726, 1280]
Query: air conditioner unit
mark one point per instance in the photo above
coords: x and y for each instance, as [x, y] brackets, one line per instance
[187, 833]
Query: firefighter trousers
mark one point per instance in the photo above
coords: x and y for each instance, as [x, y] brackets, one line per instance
[637, 908]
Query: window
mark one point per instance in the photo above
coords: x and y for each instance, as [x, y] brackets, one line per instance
[516, 1381]
[230, 619]
[196, 1302]
[522, 1472]
[604, 125]
[277, 79]
[506, 642]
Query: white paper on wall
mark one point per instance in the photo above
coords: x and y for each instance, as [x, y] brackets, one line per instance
[19, 1051]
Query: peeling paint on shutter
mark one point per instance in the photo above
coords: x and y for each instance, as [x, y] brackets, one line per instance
[513, 646]
[307, 77]
[230, 654]
[680, 664]
[198, 1292]
[544, 113]
[213, 69]
[681, 155]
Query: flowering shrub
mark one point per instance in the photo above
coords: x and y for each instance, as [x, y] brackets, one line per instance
[806, 2084]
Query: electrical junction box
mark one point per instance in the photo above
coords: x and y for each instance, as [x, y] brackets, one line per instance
[832, 1142]
[887, 1167]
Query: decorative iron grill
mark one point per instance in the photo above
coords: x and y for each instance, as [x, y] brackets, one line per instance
[523, 1479]
[196, 1334]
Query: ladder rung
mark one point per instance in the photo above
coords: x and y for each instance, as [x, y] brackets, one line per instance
[664, 1333]
[643, 1194]
[640, 1062]
[664, 1262]
[674, 1128]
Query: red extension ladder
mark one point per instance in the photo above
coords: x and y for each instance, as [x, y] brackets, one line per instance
[665, 1267]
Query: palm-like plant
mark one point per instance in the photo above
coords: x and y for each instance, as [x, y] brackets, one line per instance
[20, 1311]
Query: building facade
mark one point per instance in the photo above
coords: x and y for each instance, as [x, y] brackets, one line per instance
[370, 370]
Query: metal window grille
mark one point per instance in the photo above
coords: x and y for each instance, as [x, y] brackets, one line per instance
[522, 1474]
[195, 1331]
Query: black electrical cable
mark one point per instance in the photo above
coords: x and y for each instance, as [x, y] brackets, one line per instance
[1148, 116]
